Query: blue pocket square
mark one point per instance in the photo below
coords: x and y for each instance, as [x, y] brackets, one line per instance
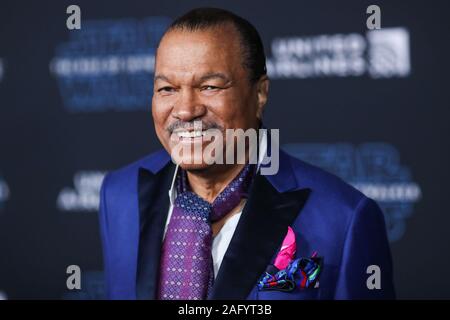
[301, 273]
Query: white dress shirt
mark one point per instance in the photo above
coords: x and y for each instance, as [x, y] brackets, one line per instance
[223, 238]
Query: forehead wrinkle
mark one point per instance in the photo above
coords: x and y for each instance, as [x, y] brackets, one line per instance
[176, 77]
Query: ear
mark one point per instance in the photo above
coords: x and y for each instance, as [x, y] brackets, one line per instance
[262, 95]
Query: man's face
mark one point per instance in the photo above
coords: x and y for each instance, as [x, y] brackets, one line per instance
[199, 76]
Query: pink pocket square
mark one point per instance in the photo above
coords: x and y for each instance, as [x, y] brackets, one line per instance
[287, 251]
[288, 273]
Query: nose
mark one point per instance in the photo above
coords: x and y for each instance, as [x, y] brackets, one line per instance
[188, 107]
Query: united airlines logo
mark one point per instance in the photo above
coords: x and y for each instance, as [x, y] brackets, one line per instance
[108, 65]
[84, 195]
[382, 53]
[375, 170]
[389, 53]
[4, 192]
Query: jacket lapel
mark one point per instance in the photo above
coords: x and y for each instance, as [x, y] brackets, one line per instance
[153, 210]
[274, 203]
[258, 236]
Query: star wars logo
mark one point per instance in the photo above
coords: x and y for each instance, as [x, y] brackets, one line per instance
[375, 170]
[84, 195]
[108, 64]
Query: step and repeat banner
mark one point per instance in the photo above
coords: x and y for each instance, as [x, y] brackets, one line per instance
[366, 99]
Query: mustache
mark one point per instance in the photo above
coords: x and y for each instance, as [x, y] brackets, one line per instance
[190, 125]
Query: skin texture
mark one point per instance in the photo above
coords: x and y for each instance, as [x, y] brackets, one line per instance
[200, 76]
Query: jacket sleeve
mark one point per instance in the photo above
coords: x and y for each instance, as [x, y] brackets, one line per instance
[103, 221]
[365, 271]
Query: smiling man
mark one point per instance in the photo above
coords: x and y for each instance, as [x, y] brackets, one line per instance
[196, 229]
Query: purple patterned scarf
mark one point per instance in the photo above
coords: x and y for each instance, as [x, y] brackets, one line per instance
[186, 267]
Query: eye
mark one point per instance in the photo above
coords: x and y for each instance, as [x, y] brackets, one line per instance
[209, 88]
[166, 89]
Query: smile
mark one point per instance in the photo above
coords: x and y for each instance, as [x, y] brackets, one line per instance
[191, 134]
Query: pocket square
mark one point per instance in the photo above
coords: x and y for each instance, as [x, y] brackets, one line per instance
[287, 251]
[288, 273]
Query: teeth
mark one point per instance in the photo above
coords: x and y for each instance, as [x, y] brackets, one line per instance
[191, 134]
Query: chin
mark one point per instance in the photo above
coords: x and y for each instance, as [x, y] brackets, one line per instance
[195, 167]
[190, 164]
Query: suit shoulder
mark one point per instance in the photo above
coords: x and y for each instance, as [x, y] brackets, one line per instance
[334, 205]
[326, 186]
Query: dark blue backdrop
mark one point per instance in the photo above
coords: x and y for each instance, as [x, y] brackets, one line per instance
[75, 104]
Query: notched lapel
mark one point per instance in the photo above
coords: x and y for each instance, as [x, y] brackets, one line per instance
[153, 210]
[259, 234]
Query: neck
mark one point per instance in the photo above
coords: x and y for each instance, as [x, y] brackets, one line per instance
[210, 182]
